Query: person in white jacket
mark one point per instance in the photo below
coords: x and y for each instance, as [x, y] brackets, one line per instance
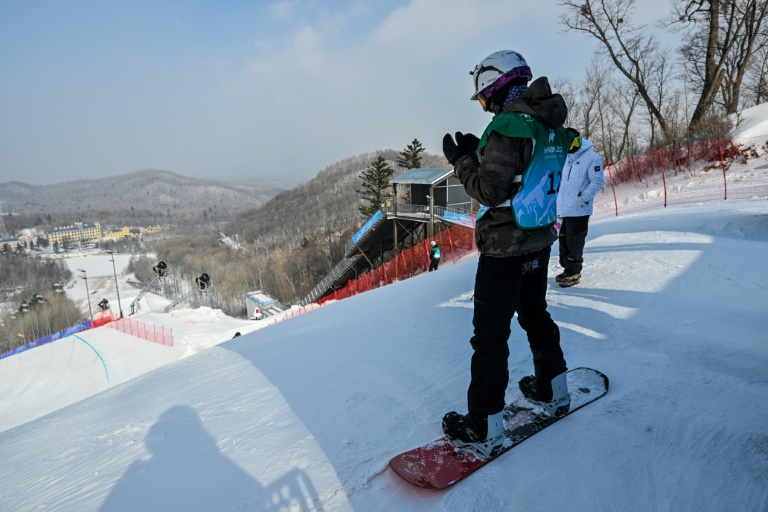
[581, 181]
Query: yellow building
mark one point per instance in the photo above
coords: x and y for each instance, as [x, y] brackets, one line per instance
[117, 234]
[127, 231]
[79, 232]
[152, 229]
[11, 243]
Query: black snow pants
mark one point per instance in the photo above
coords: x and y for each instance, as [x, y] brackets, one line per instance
[504, 286]
[573, 236]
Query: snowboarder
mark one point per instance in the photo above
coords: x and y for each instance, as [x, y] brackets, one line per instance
[434, 256]
[513, 171]
[581, 181]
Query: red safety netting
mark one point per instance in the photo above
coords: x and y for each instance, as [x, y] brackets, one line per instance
[455, 243]
[714, 170]
[160, 335]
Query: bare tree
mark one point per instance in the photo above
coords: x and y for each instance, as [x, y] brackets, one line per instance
[633, 50]
[596, 119]
[587, 107]
[756, 84]
[721, 40]
[749, 52]
[624, 100]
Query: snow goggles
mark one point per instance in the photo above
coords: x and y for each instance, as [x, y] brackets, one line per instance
[576, 144]
[484, 96]
[483, 101]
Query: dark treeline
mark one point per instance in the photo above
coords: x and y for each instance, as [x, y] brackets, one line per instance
[288, 274]
[32, 274]
[35, 308]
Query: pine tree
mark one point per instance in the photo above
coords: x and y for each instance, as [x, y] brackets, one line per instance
[409, 157]
[375, 184]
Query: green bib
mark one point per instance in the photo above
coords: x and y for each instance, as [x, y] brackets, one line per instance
[535, 204]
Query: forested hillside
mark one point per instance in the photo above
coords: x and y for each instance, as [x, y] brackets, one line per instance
[138, 198]
[285, 246]
[323, 208]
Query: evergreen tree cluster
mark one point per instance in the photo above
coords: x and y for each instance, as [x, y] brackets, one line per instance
[375, 188]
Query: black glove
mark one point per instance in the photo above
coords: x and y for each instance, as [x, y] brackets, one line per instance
[464, 145]
[450, 149]
[468, 142]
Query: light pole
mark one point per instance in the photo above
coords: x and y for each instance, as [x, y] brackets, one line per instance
[112, 253]
[88, 293]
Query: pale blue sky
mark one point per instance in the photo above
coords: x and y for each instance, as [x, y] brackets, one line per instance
[250, 89]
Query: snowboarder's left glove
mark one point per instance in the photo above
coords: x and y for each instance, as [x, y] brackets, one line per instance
[467, 142]
[582, 202]
[464, 145]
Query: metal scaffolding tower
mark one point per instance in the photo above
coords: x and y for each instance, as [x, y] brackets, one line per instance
[3, 233]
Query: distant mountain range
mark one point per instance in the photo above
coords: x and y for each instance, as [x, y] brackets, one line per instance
[158, 191]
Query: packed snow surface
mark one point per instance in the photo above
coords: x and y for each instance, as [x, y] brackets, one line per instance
[306, 413]
[752, 121]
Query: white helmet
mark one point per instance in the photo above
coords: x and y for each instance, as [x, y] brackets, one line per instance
[499, 68]
[434, 243]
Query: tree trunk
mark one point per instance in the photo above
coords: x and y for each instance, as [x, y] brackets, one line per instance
[713, 73]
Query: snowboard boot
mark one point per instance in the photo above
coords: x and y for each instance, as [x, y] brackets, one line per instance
[570, 280]
[559, 277]
[482, 437]
[555, 401]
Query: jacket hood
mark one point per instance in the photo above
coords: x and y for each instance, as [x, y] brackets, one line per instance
[540, 102]
[586, 145]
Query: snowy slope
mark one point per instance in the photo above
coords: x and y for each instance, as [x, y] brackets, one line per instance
[44, 379]
[752, 121]
[305, 414]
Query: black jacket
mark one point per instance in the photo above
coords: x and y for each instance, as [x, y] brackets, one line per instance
[491, 182]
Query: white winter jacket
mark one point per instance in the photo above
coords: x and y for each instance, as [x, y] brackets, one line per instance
[582, 176]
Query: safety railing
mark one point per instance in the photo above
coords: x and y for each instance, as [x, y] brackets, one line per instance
[160, 335]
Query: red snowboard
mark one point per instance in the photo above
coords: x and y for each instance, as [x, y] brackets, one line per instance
[438, 465]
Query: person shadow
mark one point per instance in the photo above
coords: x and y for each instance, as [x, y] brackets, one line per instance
[187, 472]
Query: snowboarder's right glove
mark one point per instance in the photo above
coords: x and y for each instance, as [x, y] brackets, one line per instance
[450, 149]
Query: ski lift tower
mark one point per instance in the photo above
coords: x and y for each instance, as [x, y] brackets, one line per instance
[161, 270]
[3, 234]
[203, 285]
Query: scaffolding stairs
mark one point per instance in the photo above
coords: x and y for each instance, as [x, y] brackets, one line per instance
[184, 298]
[153, 286]
[326, 283]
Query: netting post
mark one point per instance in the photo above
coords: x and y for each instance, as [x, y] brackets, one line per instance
[613, 187]
[450, 240]
[663, 177]
[722, 164]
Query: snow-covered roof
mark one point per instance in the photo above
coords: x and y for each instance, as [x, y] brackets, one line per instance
[423, 176]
